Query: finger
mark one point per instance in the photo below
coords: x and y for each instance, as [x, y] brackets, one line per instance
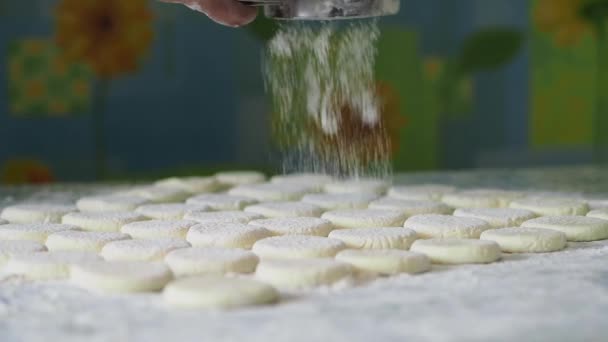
[226, 12]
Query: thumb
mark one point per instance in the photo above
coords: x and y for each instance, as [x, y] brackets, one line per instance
[226, 12]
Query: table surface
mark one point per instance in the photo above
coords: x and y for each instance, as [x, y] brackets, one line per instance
[559, 296]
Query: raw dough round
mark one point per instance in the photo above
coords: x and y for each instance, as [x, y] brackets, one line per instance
[228, 235]
[422, 192]
[411, 207]
[386, 261]
[498, 217]
[353, 218]
[170, 211]
[157, 194]
[101, 222]
[158, 229]
[357, 186]
[240, 177]
[47, 265]
[481, 198]
[272, 191]
[216, 292]
[576, 228]
[446, 226]
[295, 226]
[222, 217]
[299, 274]
[526, 240]
[11, 248]
[141, 250]
[73, 240]
[222, 201]
[110, 203]
[192, 185]
[121, 276]
[546, 206]
[36, 213]
[458, 251]
[38, 232]
[285, 209]
[599, 213]
[208, 260]
[297, 247]
[376, 238]
[340, 201]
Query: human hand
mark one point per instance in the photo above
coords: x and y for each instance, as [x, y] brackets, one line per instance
[226, 12]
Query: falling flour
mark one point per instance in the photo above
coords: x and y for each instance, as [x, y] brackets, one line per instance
[328, 112]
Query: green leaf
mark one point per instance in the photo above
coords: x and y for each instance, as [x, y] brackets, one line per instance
[489, 49]
[263, 28]
[594, 10]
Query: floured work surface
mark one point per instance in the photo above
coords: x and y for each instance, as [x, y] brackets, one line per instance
[560, 296]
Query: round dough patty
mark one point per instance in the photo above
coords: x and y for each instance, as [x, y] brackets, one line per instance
[458, 251]
[576, 228]
[386, 261]
[446, 226]
[526, 240]
[297, 247]
[376, 238]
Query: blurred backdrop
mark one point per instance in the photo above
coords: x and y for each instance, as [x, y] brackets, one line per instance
[119, 89]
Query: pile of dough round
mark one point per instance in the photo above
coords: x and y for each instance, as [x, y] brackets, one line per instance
[353, 218]
[314, 180]
[233, 178]
[158, 194]
[228, 235]
[599, 213]
[158, 229]
[192, 185]
[376, 238]
[36, 213]
[141, 250]
[211, 260]
[272, 191]
[357, 186]
[285, 209]
[546, 206]
[421, 192]
[297, 247]
[101, 222]
[526, 240]
[110, 203]
[216, 292]
[458, 251]
[222, 201]
[11, 248]
[481, 198]
[411, 207]
[386, 261]
[169, 211]
[47, 265]
[222, 216]
[498, 217]
[73, 240]
[340, 201]
[295, 226]
[576, 228]
[446, 226]
[121, 276]
[299, 274]
[38, 232]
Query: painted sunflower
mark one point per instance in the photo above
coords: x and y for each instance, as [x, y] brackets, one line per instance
[111, 36]
[562, 19]
[26, 171]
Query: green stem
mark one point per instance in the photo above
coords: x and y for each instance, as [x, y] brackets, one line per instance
[98, 122]
[600, 124]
